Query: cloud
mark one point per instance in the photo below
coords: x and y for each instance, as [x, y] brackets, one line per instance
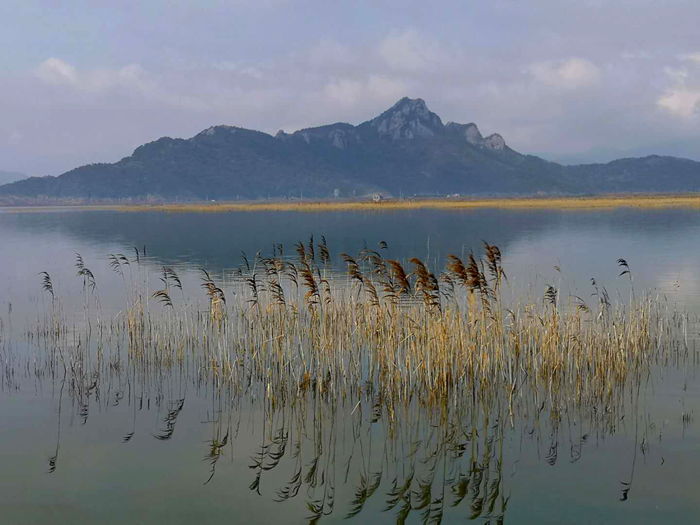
[638, 54]
[678, 76]
[131, 79]
[57, 72]
[407, 51]
[349, 92]
[693, 57]
[329, 52]
[226, 65]
[572, 73]
[255, 72]
[680, 99]
[343, 91]
[386, 88]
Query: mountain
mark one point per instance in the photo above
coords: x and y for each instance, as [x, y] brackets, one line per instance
[7, 177]
[406, 150]
[600, 155]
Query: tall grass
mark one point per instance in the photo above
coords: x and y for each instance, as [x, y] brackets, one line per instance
[296, 325]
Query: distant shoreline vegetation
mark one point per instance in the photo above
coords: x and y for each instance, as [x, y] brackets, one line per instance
[690, 200]
[445, 203]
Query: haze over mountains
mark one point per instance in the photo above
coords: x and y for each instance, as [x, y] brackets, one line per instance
[407, 150]
[7, 177]
[600, 155]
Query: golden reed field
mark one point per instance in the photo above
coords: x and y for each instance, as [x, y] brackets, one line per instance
[598, 202]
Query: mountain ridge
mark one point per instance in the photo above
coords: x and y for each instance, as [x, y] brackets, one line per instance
[407, 150]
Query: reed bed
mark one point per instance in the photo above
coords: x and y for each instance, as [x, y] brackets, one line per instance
[595, 202]
[284, 327]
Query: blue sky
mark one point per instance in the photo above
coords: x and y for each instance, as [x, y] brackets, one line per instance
[88, 81]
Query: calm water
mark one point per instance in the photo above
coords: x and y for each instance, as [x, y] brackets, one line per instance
[104, 460]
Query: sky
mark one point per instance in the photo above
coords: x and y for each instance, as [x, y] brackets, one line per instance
[89, 81]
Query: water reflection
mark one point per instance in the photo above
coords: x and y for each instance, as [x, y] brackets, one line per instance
[364, 460]
[659, 244]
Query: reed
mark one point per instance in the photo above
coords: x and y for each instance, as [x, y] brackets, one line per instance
[594, 202]
[304, 326]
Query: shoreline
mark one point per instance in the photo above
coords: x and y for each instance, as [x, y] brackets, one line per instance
[602, 202]
[579, 203]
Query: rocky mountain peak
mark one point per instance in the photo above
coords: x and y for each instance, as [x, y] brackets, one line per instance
[213, 130]
[473, 136]
[407, 119]
[494, 142]
[411, 106]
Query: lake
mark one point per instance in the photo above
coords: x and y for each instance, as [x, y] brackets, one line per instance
[200, 427]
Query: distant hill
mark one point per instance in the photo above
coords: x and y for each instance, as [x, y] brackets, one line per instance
[405, 150]
[601, 155]
[7, 177]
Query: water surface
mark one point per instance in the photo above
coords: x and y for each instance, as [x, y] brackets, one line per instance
[101, 458]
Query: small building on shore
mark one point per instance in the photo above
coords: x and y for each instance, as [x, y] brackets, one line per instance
[377, 197]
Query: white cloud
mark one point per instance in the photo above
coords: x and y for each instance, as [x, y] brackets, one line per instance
[693, 57]
[255, 72]
[572, 73]
[328, 51]
[343, 91]
[678, 76]
[132, 79]
[57, 72]
[680, 99]
[407, 51]
[385, 88]
[226, 65]
[349, 92]
[638, 54]
[252, 72]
